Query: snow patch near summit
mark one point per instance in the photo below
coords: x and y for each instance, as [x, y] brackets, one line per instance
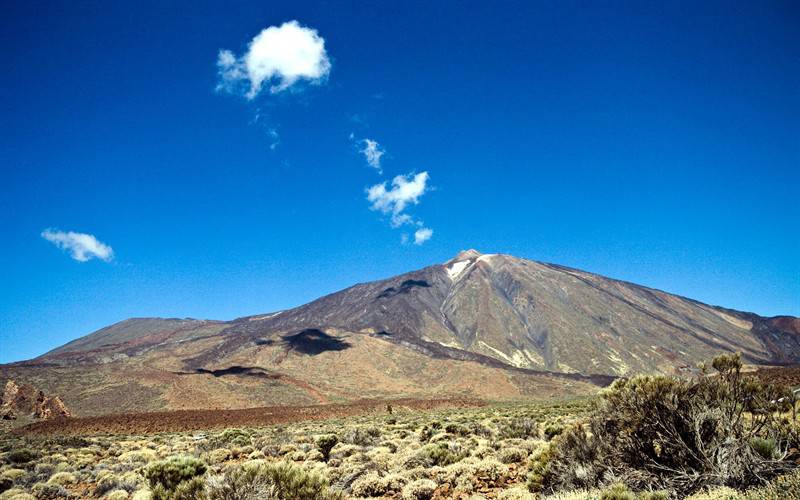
[457, 268]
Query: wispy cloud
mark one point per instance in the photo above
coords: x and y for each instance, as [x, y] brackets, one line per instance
[81, 246]
[275, 138]
[406, 190]
[422, 235]
[280, 56]
[372, 152]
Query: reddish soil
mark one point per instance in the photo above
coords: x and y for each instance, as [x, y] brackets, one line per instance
[788, 375]
[188, 420]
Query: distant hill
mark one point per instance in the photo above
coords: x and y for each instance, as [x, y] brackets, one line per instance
[489, 326]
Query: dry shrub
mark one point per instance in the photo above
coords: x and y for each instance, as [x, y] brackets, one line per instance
[441, 454]
[519, 427]
[362, 436]
[263, 480]
[421, 489]
[655, 432]
[373, 484]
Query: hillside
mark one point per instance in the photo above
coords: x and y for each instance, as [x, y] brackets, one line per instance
[487, 326]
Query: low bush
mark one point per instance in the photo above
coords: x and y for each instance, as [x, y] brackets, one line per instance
[512, 455]
[362, 436]
[21, 456]
[62, 478]
[552, 430]
[230, 437]
[43, 491]
[519, 428]
[664, 433]
[263, 480]
[785, 487]
[325, 444]
[165, 476]
[421, 489]
[621, 492]
[441, 454]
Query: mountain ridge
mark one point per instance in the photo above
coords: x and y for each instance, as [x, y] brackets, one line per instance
[481, 325]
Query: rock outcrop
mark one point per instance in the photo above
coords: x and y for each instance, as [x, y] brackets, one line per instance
[27, 400]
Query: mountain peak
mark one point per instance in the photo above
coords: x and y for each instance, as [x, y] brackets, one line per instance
[466, 255]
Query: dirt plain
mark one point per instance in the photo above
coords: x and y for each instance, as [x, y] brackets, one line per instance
[190, 420]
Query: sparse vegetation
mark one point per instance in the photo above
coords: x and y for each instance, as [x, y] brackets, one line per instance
[609, 448]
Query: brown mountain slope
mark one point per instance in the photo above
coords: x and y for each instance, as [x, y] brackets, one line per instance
[533, 315]
[491, 326]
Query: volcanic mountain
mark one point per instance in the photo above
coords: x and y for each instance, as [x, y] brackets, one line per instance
[482, 325]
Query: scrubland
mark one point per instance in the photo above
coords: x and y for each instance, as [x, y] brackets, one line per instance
[722, 435]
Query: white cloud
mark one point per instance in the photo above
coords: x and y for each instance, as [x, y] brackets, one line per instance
[279, 55]
[81, 246]
[405, 191]
[422, 235]
[275, 138]
[373, 152]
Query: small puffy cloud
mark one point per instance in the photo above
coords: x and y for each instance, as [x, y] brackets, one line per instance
[280, 56]
[406, 190]
[81, 246]
[373, 152]
[422, 235]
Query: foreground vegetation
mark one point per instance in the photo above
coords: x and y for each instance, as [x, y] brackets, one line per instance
[721, 436]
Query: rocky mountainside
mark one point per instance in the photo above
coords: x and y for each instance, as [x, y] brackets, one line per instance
[534, 315]
[492, 326]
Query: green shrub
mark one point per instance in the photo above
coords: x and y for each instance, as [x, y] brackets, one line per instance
[192, 489]
[21, 456]
[421, 489]
[228, 438]
[165, 476]
[781, 488]
[621, 492]
[552, 430]
[512, 455]
[428, 430]
[117, 495]
[539, 468]
[326, 443]
[657, 432]
[263, 480]
[5, 484]
[62, 478]
[456, 429]
[362, 436]
[111, 482]
[442, 454]
[519, 428]
[43, 491]
[766, 448]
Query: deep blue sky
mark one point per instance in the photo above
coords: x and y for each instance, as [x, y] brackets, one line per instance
[653, 142]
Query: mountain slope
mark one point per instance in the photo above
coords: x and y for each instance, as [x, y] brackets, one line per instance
[534, 315]
[491, 326]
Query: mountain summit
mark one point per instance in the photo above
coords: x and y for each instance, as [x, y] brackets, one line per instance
[485, 325]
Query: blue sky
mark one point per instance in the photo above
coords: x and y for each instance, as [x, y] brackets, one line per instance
[653, 142]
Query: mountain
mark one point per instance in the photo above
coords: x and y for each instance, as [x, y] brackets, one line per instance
[485, 325]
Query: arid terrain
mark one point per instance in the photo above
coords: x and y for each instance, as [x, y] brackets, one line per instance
[480, 326]
[484, 377]
[187, 420]
[410, 450]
